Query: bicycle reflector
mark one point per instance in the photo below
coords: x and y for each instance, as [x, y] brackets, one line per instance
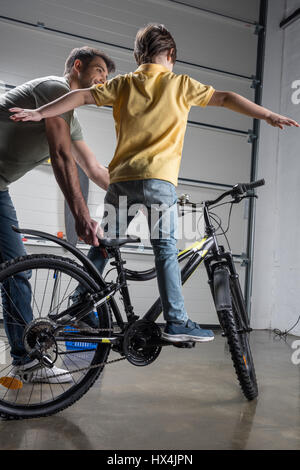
[12, 383]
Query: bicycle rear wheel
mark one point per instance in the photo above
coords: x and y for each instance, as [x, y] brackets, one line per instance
[51, 281]
[233, 323]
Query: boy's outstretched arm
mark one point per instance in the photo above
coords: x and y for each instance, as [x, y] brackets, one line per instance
[238, 103]
[71, 100]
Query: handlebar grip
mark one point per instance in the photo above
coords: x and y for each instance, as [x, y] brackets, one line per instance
[255, 184]
[242, 188]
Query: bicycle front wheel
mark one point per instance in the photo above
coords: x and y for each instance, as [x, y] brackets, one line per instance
[233, 323]
[33, 288]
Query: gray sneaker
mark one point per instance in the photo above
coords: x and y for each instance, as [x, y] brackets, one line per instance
[189, 331]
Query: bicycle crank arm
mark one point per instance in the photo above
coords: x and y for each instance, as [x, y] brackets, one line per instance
[163, 342]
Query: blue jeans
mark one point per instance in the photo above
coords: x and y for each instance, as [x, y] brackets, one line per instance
[159, 200]
[15, 293]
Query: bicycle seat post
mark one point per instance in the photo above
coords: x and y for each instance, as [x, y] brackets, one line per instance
[119, 264]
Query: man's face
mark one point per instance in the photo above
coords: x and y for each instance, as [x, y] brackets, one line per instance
[95, 72]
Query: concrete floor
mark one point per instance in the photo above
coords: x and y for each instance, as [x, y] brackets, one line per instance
[187, 399]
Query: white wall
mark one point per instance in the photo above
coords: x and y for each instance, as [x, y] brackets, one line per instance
[275, 296]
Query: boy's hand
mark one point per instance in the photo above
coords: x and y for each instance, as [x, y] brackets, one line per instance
[276, 120]
[25, 114]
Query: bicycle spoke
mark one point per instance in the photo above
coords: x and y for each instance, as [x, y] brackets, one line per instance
[45, 291]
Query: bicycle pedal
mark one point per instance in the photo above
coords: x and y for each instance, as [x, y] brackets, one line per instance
[186, 344]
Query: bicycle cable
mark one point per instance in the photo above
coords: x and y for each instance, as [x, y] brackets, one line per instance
[229, 217]
[286, 332]
[220, 227]
[112, 269]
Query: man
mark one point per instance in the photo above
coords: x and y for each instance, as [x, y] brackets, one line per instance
[23, 147]
[151, 107]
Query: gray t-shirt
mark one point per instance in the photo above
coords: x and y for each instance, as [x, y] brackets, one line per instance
[24, 145]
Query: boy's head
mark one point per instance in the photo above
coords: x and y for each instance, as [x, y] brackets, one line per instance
[152, 41]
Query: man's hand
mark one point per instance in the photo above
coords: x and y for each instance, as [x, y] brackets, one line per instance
[276, 120]
[25, 114]
[89, 231]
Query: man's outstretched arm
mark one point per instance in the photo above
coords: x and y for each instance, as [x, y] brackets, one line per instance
[239, 104]
[64, 167]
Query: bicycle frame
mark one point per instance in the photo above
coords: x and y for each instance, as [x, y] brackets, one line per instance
[206, 249]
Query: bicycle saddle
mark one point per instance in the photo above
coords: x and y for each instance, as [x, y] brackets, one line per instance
[114, 242]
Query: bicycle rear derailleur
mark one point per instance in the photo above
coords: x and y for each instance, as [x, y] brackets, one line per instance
[141, 342]
[39, 341]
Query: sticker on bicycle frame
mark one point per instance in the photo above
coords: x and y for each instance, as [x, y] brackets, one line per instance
[105, 340]
[195, 246]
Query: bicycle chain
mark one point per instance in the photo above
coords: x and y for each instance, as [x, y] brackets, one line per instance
[94, 366]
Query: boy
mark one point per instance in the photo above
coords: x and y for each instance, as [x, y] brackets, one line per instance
[150, 108]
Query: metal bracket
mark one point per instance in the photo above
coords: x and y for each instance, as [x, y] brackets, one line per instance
[251, 136]
[255, 82]
[245, 259]
[258, 28]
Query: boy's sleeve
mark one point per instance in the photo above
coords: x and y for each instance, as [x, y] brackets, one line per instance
[197, 94]
[50, 90]
[106, 95]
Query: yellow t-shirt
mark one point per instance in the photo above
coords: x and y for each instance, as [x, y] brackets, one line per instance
[150, 109]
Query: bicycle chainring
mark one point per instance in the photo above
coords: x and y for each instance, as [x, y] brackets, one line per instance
[139, 343]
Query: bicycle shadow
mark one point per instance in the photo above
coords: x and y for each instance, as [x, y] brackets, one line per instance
[43, 434]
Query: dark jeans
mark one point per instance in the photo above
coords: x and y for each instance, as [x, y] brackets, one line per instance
[16, 292]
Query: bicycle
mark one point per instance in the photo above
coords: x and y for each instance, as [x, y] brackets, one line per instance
[57, 323]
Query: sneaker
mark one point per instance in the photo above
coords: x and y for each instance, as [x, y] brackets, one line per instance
[190, 331]
[22, 374]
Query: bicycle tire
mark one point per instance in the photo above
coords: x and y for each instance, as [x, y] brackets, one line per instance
[239, 348]
[70, 396]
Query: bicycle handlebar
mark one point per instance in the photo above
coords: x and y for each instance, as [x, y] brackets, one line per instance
[236, 192]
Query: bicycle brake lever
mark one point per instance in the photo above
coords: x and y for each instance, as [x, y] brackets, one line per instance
[238, 199]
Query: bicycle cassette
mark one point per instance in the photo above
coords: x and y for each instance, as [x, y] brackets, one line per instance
[141, 343]
[39, 340]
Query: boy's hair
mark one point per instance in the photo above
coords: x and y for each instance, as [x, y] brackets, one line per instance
[152, 40]
[86, 54]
